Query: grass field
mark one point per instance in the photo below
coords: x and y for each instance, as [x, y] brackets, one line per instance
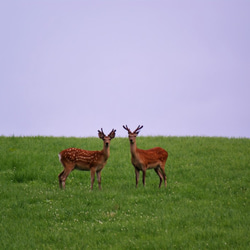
[205, 205]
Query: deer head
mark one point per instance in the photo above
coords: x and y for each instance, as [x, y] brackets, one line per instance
[132, 135]
[106, 139]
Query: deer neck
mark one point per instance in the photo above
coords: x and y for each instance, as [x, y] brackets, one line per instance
[133, 149]
[106, 151]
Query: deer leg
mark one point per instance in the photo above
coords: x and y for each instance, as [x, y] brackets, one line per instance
[99, 179]
[59, 178]
[92, 173]
[62, 178]
[137, 174]
[157, 170]
[164, 176]
[143, 177]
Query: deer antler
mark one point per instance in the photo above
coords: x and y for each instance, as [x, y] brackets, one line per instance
[126, 128]
[112, 134]
[137, 130]
[101, 134]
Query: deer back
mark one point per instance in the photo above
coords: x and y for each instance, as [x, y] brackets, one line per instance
[152, 156]
[80, 157]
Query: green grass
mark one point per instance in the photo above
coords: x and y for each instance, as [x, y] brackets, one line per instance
[205, 206]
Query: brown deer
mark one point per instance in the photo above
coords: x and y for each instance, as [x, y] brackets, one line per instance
[93, 161]
[146, 159]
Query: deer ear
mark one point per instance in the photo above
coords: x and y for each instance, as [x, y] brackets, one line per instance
[101, 134]
[112, 134]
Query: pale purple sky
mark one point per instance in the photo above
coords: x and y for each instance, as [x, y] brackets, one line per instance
[180, 68]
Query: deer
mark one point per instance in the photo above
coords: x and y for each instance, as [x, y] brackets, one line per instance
[142, 160]
[80, 159]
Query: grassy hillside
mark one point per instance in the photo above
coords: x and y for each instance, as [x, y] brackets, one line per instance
[205, 206]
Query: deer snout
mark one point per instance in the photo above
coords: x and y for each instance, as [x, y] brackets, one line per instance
[131, 139]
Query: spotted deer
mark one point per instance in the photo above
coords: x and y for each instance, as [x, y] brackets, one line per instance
[93, 161]
[142, 160]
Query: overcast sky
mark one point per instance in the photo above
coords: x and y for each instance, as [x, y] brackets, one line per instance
[180, 68]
